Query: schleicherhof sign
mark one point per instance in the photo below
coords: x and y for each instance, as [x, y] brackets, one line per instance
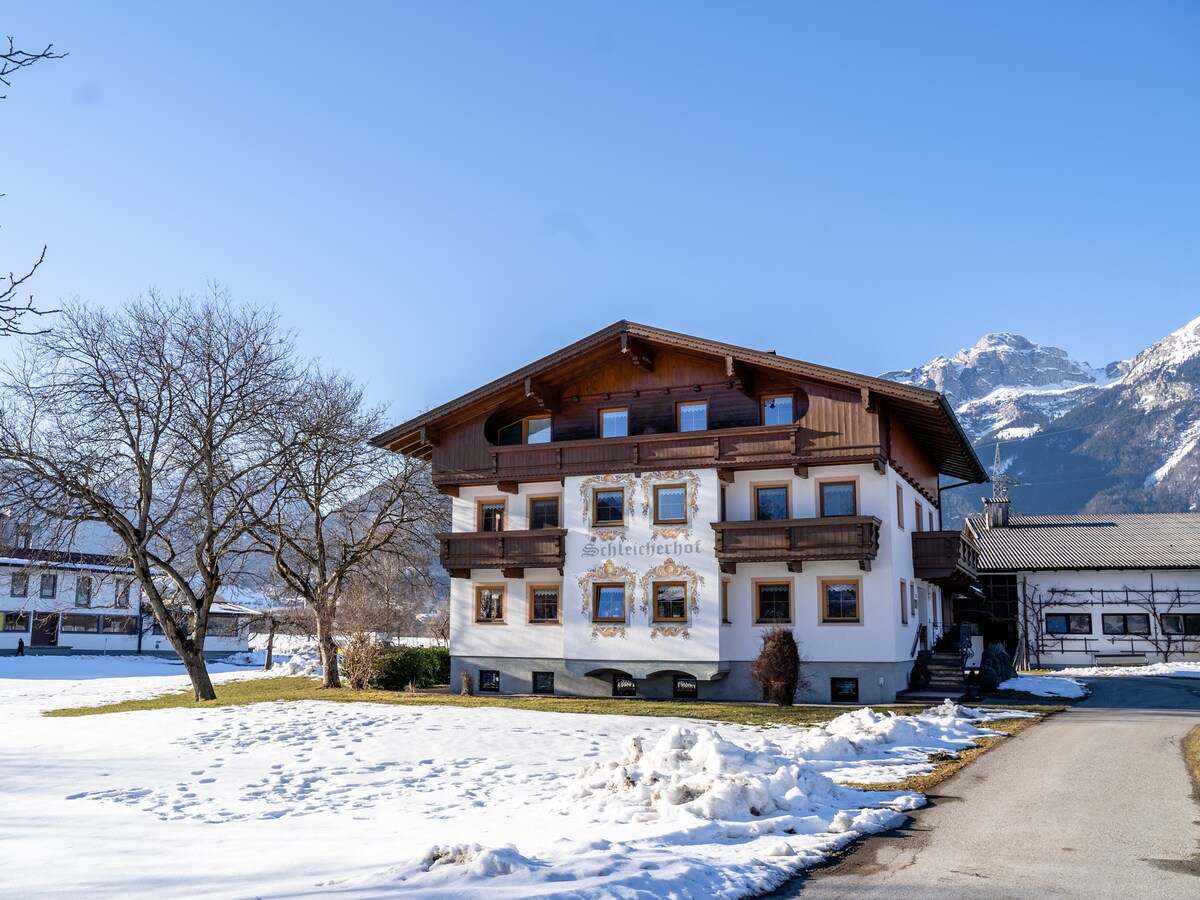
[613, 549]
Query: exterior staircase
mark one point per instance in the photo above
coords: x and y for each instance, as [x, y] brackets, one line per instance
[935, 677]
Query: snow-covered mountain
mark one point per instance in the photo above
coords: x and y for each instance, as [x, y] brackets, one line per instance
[1125, 438]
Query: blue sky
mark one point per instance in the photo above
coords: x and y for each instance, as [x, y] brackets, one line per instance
[434, 194]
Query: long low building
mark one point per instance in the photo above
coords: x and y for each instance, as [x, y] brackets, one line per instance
[634, 511]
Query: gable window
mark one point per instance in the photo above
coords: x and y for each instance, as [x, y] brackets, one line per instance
[839, 498]
[18, 586]
[670, 504]
[1125, 623]
[899, 506]
[83, 591]
[839, 601]
[491, 515]
[489, 681]
[1069, 623]
[543, 603]
[489, 604]
[608, 603]
[770, 502]
[608, 506]
[670, 602]
[1180, 623]
[777, 410]
[48, 587]
[903, 603]
[543, 682]
[122, 598]
[614, 422]
[693, 416]
[511, 435]
[773, 602]
[533, 430]
[543, 513]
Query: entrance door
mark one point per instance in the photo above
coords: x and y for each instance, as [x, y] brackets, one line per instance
[923, 617]
[45, 630]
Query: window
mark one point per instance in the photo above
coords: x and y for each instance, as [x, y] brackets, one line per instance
[83, 591]
[839, 601]
[670, 504]
[614, 422]
[543, 603]
[537, 430]
[903, 603]
[1178, 623]
[1068, 623]
[510, 434]
[543, 512]
[489, 604]
[608, 603]
[843, 690]
[773, 602]
[491, 515]
[725, 620]
[912, 596]
[839, 498]
[670, 601]
[128, 625]
[48, 587]
[24, 537]
[219, 626]
[692, 416]
[624, 685]
[543, 682]
[18, 585]
[770, 502]
[899, 506]
[917, 516]
[80, 624]
[15, 621]
[777, 410]
[608, 506]
[686, 688]
[122, 597]
[1125, 623]
[489, 681]
[931, 520]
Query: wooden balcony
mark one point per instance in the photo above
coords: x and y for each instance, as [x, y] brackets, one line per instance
[512, 551]
[947, 558]
[724, 448]
[797, 541]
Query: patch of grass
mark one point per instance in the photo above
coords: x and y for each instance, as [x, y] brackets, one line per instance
[1191, 756]
[946, 765]
[292, 688]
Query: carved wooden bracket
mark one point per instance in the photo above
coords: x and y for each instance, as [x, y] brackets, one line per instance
[544, 396]
[429, 435]
[639, 354]
[739, 376]
[868, 400]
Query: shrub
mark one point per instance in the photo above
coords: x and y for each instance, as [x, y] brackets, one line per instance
[360, 660]
[423, 667]
[995, 667]
[778, 669]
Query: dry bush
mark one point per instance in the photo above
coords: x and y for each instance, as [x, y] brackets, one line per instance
[778, 669]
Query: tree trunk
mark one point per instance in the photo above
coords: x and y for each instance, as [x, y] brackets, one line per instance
[328, 648]
[193, 662]
[270, 647]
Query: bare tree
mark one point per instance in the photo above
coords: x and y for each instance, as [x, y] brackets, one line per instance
[13, 308]
[149, 419]
[338, 504]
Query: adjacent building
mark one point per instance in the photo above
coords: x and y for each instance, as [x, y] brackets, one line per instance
[632, 512]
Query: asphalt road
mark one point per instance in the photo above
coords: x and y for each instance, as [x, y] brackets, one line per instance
[1096, 803]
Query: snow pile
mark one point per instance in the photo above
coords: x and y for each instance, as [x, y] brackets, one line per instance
[1167, 670]
[1045, 686]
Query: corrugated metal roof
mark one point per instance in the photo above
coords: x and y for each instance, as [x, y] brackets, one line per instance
[1126, 541]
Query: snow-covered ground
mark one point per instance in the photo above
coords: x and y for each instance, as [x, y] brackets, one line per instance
[1171, 669]
[363, 800]
[1046, 686]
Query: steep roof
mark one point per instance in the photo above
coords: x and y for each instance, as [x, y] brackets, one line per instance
[929, 413]
[1125, 541]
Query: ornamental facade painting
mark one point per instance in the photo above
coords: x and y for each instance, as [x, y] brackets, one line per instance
[670, 570]
[606, 573]
[691, 482]
[626, 484]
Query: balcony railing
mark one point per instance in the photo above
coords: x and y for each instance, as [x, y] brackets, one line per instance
[797, 541]
[947, 558]
[513, 551]
[718, 448]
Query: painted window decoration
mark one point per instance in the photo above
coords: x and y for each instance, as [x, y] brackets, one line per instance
[672, 501]
[489, 604]
[839, 601]
[1125, 623]
[610, 507]
[614, 422]
[670, 601]
[693, 416]
[48, 587]
[839, 498]
[607, 609]
[670, 597]
[491, 515]
[1068, 623]
[543, 513]
[543, 682]
[606, 505]
[608, 603]
[773, 603]
[624, 685]
[544, 603]
[83, 591]
[843, 690]
[489, 681]
[686, 688]
[1181, 624]
[19, 585]
[778, 410]
[770, 502]
[670, 504]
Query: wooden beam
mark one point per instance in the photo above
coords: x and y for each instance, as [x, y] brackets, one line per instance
[729, 568]
[513, 572]
[450, 490]
[725, 476]
[639, 354]
[880, 465]
[865, 565]
[795, 565]
[543, 395]
[868, 400]
[459, 573]
[739, 376]
[801, 471]
[429, 435]
[508, 487]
